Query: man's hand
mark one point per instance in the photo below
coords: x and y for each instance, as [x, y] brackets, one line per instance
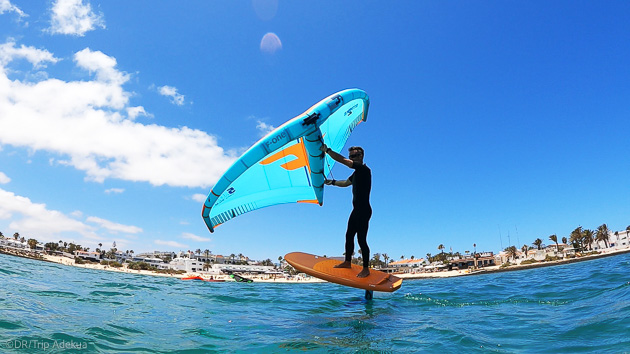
[323, 148]
[329, 182]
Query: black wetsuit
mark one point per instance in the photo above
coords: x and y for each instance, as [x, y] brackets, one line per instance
[361, 213]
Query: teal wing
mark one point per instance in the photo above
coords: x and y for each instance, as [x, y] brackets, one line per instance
[287, 166]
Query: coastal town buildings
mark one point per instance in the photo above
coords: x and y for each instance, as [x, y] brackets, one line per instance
[92, 256]
[475, 260]
[405, 265]
[205, 261]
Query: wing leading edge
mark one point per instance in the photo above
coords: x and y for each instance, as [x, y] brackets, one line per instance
[287, 166]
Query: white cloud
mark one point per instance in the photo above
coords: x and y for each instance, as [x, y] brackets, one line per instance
[198, 197]
[73, 17]
[84, 122]
[103, 65]
[4, 179]
[114, 190]
[36, 221]
[264, 128]
[173, 244]
[171, 92]
[37, 57]
[135, 112]
[6, 6]
[194, 237]
[114, 227]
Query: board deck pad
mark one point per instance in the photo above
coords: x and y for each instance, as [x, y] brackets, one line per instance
[323, 268]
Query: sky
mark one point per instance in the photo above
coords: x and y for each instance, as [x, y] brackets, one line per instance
[491, 123]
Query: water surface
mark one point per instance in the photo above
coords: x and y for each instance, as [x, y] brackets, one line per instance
[47, 307]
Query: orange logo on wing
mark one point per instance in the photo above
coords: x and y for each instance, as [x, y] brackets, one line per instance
[296, 150]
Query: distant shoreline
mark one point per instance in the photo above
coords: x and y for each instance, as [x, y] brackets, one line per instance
[498, 269]
[406, 276]
[217, 277]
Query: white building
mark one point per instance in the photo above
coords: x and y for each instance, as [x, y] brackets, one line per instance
[407, 263]
[152, 261]
[94, 256]
[10, 243]
[186, 264]
[616, 240]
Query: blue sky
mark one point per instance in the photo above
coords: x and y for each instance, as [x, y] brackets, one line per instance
[487, 119]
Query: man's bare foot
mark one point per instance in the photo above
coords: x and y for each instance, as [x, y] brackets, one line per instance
[364, 273]
[345, 264]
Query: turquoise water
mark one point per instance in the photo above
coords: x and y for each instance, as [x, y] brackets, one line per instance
[45, 307]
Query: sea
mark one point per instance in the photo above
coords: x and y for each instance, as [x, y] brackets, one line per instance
[51, 308]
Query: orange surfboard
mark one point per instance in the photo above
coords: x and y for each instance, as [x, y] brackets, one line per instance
[323, 268]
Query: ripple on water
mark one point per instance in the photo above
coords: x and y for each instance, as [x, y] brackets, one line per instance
[114, 337]
[52, 293]
[109, 293]
[9, 325]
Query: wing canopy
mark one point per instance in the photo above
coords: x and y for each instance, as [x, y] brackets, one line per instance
[287, 166]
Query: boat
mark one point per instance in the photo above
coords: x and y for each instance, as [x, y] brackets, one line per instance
[240, 279]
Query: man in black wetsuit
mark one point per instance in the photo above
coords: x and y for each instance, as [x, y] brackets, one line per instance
[361, 181]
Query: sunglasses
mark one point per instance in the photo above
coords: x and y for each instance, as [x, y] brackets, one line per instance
[355, 155]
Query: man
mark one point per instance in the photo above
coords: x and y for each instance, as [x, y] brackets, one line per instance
[361, 181]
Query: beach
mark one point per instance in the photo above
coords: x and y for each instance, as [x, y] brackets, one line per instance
[515, 267]
[206, 276]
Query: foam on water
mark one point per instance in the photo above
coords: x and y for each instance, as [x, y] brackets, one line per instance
[576, 307]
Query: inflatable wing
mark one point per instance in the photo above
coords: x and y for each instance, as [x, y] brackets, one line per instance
[287, 166]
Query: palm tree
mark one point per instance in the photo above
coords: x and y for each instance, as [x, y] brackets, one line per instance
[232, 256]
[16, 236]
[587, 237]
[385, 257]
[32, 243]
[554, 238]
[441, 248]
[603, 234]
[377, 259]
[1, 235]
[524, 249]
[577, 237]
[511, 252]
[538, 243]
[564, 240]
[206, 264]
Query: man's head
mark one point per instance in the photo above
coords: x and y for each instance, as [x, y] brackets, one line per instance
[356, 154]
